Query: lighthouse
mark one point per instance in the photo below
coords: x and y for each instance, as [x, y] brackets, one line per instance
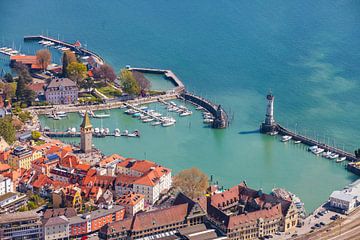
[269, 125]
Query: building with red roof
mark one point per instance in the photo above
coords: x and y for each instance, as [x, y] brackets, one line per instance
[244, 213]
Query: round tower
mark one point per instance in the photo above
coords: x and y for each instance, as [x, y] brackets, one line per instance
[86, 134]
[269, 125]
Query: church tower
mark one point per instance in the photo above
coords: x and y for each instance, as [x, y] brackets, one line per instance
[269, 125]
[86, 134]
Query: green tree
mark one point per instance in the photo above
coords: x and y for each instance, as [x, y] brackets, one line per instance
[87, 83]
[76, 71]
[23, 72]
[35, 135]
[129, 83]
[20, 89]
[192, 182]
[8, 78]
[67, 58]
[7, 130]
[43, 57]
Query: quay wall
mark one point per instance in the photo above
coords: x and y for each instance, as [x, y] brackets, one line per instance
[220, 116]
[179, 86]
[312, 142]
[104, 106]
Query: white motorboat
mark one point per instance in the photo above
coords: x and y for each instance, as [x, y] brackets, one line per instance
[61, 114]
[168, 123]
[286, 138]
[106, 131]
[297, 142]
[148, 120]
[96, 130]
[73, 130]
[341, 159]
[156, 123]
[310, 149]
[326, 154]
[317, 151]
[172, 103]
[273, 133]
[208, 120]
[184, 114]
[103, 115]
[56, 117]
[334, 156]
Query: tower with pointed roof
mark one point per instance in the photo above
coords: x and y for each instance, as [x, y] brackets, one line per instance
[86, 134]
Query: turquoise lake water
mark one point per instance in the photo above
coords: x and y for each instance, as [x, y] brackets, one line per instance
[232, 52]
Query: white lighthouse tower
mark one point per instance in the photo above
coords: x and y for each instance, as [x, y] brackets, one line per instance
[269, 125]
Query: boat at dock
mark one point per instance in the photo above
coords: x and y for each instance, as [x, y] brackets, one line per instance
[297, 142]
[156, 123]
[147, 120]
[186, 113]
[286, 138]
[117, 132]
[341, 159]
[318, 151]
[333, 156]
[103, 115]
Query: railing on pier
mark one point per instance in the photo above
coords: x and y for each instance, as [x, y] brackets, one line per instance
[312, 142]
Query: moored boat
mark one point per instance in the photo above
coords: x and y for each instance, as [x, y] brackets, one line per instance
[286, 138]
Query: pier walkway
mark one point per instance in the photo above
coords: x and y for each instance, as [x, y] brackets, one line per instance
[145, 112]
[81, 50]
[311, 142]
[220, 116]
[180, 87]
[78, 134]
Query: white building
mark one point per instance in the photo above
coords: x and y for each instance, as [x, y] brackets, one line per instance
[347, 199]
[56, 228]
[5, 185]
[148, 179]
[61, 91]
[133, 203]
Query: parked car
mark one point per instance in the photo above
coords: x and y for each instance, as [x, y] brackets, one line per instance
[322, 223]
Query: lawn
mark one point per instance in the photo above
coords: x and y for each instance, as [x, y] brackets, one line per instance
[109, 91]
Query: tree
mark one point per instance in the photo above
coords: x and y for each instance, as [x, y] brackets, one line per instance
[35, 135]
[8, 78]
[87, 83]
[129, 83]
[104, 72]
[7, 130]
[9, 90]
[67, 58]
[20, 89]
[23, 71]
[76, 71]
[143, 82]
[192, 182]
[43, 57]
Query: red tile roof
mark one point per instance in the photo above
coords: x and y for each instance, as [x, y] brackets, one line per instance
[130, 199]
